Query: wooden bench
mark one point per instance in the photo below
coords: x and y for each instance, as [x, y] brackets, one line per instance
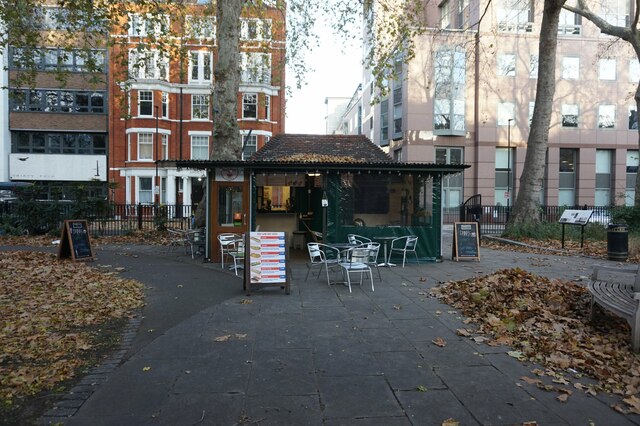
[621, 298]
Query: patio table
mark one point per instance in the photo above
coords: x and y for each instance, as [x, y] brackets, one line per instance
[385, 242]
[342, 247]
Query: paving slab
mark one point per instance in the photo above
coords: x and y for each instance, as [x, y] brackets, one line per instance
[320, 355]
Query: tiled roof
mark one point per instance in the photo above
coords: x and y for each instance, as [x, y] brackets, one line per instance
[321, 149]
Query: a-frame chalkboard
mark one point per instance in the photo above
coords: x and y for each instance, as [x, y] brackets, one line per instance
[75, 241]
[466, 241]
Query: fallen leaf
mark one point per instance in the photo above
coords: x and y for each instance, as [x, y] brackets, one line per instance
[422, 388]
[450, 422]
[222, 338]
[246, 301]
[530, 380]
[146, 368]
[563, 397]
[439, 341]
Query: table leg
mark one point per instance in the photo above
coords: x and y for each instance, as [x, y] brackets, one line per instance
[385, 263]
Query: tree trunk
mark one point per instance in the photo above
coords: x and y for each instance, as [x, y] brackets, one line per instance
[636, 198]
[225, 144]
[526, 207]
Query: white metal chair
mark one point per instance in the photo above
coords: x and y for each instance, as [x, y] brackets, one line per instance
[357, 239]
[238, 255]
[357, 264]
[404, 245]
[374, 249]
[228, 242]
[322, 256]
[177, 237]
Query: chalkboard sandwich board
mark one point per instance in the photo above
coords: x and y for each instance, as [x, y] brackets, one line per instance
[466, 241]
[75, 241]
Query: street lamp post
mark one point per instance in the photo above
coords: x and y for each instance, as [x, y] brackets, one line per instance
[509, 164]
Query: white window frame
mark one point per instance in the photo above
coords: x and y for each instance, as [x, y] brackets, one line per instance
[569, 110]
[143, 25]
[533, 66]
[250, 100]
[606, 116]
[148, 193]
[200, 107]
[255, 67]
[164, 141]
[507, 65]
[248, 141]
[261, 29]
[633, 117]
[267, 107]
[607, 69]
[445, 15]
[198, 60]
[145, 140]
[148, 64]
[201, 27]
[506, 111]
[140, 101]
[165, 105]
[570, 68]
[199, 150]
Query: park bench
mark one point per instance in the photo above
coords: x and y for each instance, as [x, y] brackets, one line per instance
[622, 297]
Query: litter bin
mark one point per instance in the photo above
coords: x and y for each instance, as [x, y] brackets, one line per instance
[617, 242]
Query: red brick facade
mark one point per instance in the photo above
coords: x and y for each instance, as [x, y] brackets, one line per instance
[152, 102]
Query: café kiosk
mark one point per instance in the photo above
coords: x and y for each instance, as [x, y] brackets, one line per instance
[334, 184]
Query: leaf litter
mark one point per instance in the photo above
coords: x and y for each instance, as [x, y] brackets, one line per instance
[53, 312]
[547, 321]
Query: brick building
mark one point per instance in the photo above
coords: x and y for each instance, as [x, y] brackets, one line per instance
[163, 102]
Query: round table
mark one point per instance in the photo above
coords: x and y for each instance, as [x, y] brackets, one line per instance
[385, 242]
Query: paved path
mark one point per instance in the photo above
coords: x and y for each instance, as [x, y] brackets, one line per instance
[319, 356]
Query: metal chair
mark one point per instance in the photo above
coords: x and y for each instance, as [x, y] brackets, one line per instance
[228, 243]
[374, 249]
[177, 238]
[322, 256]
[357, 239]
[357, 264]
[238, 256]
[404, 245]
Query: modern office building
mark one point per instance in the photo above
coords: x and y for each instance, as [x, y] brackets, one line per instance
[142, 105]
[468, 95]
[163, 105]
[56, 133]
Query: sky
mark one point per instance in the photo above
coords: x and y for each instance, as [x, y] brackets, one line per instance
[336, 74]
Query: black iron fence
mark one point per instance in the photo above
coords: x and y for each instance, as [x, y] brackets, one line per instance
[118, 219]
[492, 219]
[102, 219]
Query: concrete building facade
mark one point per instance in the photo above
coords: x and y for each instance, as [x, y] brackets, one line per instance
[54, 132]
[468, 95]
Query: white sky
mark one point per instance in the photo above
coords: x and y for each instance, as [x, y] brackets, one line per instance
[336, 75]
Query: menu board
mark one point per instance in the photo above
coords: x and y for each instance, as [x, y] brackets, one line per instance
[466, 241]
[74, 241]
[267, 260]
